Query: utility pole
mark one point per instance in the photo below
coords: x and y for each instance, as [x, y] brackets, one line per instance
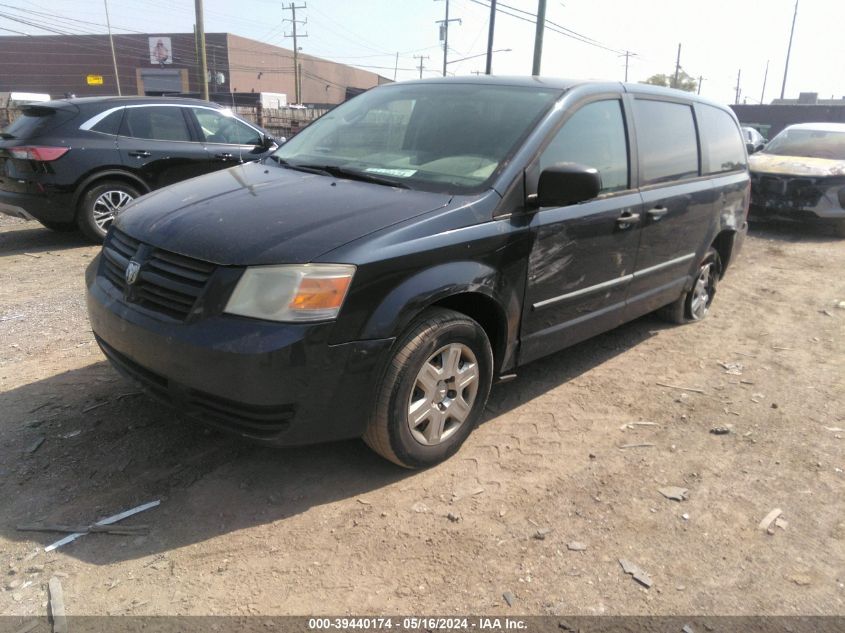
[738, 76]
[626, 55]
[491, 28]
[297, 67]
[444, 32]
[677, 67]
[111, 41]
[203, 62]
[765, 77]
[700, 81]
[538, 37]
[789, 50]
[421, 58]
[396, 67]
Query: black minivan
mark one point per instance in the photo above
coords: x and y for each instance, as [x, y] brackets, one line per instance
[376, 274]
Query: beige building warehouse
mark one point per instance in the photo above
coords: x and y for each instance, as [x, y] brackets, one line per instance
[163, 63]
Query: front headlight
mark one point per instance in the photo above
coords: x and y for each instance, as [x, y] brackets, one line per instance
[307, 292]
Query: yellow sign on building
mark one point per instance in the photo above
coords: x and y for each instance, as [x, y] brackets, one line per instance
[94, 80]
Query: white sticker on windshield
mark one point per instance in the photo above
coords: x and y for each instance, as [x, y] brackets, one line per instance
[386, 171]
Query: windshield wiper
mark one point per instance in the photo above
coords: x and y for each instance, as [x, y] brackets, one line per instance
[354, 174]
[306, 168]
[6, 135]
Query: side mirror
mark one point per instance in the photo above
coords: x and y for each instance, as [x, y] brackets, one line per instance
[750, 148]
[567, 183]
[268, 141]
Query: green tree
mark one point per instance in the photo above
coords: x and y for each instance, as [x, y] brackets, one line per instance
[685, 82]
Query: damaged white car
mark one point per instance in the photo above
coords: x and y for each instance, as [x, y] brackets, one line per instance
[800, 176]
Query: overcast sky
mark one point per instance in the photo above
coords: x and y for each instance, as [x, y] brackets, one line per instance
[718, 37]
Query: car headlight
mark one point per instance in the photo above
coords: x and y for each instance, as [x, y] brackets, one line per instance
[307, 292]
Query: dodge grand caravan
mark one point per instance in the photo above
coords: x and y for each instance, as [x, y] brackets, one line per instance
[377, 273]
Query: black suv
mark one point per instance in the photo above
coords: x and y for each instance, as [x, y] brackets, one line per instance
[382, 269]
[77, 162]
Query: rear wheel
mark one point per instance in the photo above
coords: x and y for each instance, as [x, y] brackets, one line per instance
[433, 392]
[695, 304]
[100, 206]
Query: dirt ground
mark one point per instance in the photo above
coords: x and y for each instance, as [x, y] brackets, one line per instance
[333, 529]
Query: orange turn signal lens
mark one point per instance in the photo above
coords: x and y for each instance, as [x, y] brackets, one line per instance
[320, 293]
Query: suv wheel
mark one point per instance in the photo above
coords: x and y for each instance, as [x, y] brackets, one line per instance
[100, 205]
[434, 390]
[695, 304]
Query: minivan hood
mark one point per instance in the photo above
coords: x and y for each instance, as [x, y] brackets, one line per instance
[795, 165]
[265, 214]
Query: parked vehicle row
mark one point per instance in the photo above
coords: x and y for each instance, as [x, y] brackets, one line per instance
[376, 274]
[75, 163]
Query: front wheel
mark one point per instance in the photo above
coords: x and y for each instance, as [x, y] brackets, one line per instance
[100, 206]
[695, 304]
[433, 392]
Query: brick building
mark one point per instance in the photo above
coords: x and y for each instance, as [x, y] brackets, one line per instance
[161, 63]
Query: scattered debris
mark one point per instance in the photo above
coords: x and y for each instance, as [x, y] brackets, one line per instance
[33, 255]
[826, 312]
[509, 598]
[11, 317]
[841, 305]
[781, 523]
[125, 530]
[674, 493]
[36, 444]
[107, 521]
[67, 436]
[129, 394]
[687, 629]
[783, 349]
[363, 502]
[638, 574]
[576, 546]
[685, 516]
[802, 580]
[57, 606]
[693, 389]
[631, 425]
[767, 521]
[566, 627]
[642, 445]
[734, 369]
[419, 507]
[540, 534]
[720, 430]
[834, 429]
[454, 518]
[746, 382]
[95, 406]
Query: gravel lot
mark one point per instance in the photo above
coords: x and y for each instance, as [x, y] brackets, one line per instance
[559, 461]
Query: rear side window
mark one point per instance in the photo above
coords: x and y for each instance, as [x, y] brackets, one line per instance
[666, 140]
[159, 123]
[36, 120]
[110, 124]
[720, 135]
[595, 137]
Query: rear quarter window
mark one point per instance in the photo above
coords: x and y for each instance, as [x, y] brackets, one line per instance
[722, 139]
[37, 120]
[666, 141]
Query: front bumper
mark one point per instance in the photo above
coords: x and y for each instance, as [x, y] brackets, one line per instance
[797, 198]
[272, 382]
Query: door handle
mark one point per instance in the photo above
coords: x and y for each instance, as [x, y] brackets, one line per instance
[224, 156]
[657, 212]
[141, 153]
[627, 220]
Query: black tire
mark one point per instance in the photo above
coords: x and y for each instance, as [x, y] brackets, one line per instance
[389, 431]
[59, 227]
[85, 215]
[682, 310]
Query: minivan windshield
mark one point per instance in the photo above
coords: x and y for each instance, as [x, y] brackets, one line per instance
[810, 143]
[435, 137]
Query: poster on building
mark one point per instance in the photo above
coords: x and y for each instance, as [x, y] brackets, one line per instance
[160, 50]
